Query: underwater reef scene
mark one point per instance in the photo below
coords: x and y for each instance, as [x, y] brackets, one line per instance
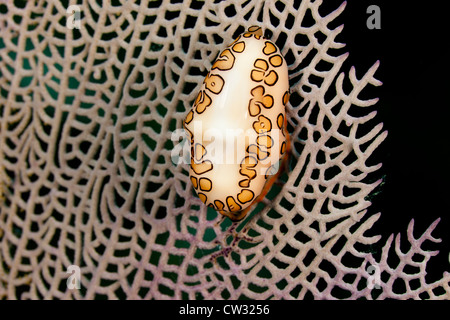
[94, 205]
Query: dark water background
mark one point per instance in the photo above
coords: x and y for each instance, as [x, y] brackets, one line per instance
[413, 48]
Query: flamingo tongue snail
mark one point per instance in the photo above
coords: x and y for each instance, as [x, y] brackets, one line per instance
[237, 125]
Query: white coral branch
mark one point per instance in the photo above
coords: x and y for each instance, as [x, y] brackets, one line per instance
[86, 178]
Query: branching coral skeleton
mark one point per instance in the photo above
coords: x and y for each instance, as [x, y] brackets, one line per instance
[86, 119]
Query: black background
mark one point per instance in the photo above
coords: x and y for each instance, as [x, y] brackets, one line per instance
[413, 49]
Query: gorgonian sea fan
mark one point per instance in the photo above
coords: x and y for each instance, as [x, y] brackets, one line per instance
[86, 177]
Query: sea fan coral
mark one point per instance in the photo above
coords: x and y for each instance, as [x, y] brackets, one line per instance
[90, 97]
